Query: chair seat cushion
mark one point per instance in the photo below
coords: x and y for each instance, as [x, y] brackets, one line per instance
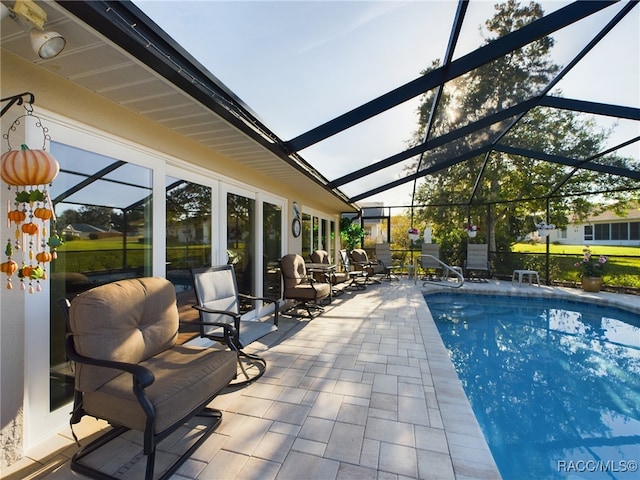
[250, 331]
[340, 277]
[307, 292]
[185, 377]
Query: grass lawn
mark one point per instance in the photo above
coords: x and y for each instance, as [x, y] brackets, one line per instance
[623, 267]
[114, 243]
[575, 249]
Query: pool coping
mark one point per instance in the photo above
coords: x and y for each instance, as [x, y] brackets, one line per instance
[468, 448]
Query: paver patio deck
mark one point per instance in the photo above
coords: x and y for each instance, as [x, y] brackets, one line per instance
[365, 390]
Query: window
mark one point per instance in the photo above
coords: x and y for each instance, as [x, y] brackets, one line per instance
[634, 231]
[562, 233]
[588, 232]
[241, 241]
[188, 240]
[619, 231]
[272, 249]
[307, 232]
[601, 231]
[315, 234]
[103, 211]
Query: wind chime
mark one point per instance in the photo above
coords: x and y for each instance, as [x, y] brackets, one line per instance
[29, 172]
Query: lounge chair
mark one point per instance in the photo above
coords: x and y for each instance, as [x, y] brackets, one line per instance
[301, 287]
[130, 371]
[477, 261]
[218, 302]
[383, 255]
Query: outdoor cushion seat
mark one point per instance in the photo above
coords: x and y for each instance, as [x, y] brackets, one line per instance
[360, 260]
[322, 256]
[182, 376]
[130, 371]
[299, 286]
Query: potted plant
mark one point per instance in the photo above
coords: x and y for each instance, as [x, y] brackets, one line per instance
[592, 269]
[544, 228]
[413, 234]
[351, 233]
[472, 230]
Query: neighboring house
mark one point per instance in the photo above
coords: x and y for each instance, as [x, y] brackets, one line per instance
[373, 221]
[190, 234]
[604, 229]
[81, 230]
[373, 215]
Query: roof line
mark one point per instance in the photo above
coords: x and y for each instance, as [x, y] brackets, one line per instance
[126, 25]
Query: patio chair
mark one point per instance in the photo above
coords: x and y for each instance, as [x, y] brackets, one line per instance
[383, 255]
[360, 261]
[429, 263]
[130, 371]
[477, 261]
[218, 302]
[300, 287]
[357, 278]
[334, 277]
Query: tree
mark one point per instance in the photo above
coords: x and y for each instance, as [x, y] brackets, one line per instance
[68, 217]
[502, 83]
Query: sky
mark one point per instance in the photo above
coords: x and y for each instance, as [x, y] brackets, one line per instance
[298, 64]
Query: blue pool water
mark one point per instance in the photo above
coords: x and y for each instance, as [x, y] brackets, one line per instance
[555, 385]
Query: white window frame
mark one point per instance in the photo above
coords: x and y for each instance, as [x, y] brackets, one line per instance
[39, 421]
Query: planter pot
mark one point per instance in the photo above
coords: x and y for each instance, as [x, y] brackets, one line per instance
[472, 233]
[591, 284]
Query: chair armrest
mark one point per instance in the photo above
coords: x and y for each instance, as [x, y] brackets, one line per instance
[220, 312]
[142, 376]
[251, 297]
[267, 300]
[230, 331]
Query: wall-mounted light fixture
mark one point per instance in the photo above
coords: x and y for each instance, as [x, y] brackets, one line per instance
[31, 17]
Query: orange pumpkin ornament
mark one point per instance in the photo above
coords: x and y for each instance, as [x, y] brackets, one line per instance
[43, 257]
[28, 167]
[17, 216]
[30, 228]
[43, 213]
[9, 267]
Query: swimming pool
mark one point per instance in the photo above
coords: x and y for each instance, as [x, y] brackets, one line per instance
[554, 384]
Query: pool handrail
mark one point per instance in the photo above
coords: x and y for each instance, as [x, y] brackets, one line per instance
[446, 267]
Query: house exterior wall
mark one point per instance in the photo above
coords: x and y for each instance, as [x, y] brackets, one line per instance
[577, 233]
[54, 94]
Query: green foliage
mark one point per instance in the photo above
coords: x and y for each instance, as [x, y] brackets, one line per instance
[351, 233]
[481, 189]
